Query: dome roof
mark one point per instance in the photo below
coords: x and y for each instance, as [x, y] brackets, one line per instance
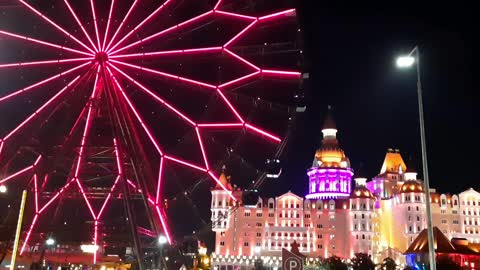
[411, 186]
[331, 156]
[362, 192]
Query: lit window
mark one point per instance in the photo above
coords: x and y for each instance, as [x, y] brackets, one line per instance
[222, 243]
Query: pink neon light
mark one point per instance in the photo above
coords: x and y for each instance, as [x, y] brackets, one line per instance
[28, 233]
[41, 82]
[239, 79]
[273, 137]
[95, 235]
[37, 160]
[164, 224]
[86, 199]
[171, 52]
[216, 5]
[137, 115]
[44, 43]
[108, 197]
[221, 185]
[230, 105]
[16, 174]
[186, 163]
[235, 15]
[165, 75]
[88, 122]
[117, 157]
[159, 184]
[277, 14]
[121, 24]
[220, 125]
[241, 59]
[151, 201]
[45, 62]
[202, 148]
[79, 23]
[108, 25]
[140, 25]
[162, 32]
[45, 181]
[148, 91]
[240, 34]
[36, 192]
[280, 72]
[56, 196]
[56, 26]
[95, 24]
[1, 146]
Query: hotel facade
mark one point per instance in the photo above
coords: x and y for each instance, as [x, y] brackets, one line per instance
[342, 213]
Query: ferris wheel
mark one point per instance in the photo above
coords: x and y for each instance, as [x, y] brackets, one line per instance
[125, 112]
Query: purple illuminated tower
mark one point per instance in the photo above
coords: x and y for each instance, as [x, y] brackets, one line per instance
[330, 175]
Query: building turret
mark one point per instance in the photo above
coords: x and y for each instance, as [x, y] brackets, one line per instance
[221, 204]
[362, 205]
[330, 175]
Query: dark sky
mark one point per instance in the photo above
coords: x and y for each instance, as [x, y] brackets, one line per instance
[350, 51]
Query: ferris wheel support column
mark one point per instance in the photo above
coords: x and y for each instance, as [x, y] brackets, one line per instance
[126, 194]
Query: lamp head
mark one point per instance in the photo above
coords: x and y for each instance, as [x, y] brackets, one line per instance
[405, 61]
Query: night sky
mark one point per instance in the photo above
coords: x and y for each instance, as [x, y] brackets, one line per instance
[350, 51]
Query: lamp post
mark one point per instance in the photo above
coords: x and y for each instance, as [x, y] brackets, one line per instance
[406, 62]
[3, 189]
[162, 241]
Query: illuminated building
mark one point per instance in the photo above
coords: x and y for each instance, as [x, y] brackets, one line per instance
[380, 217]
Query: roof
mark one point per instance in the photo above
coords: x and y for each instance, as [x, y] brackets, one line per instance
[411, 186]
[362, 192]
[329, 123]
[393, 162]
[420, 244]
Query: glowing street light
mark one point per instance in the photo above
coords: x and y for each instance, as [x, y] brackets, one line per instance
[405, 62]
[3, 189]
[162, 240]
[50, 241]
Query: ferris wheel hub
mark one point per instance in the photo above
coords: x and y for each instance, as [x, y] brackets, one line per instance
[101, 57]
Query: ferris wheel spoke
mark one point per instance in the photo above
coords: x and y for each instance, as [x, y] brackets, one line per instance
[277, 14]
[108, 25]
[170, 52]
[56, 26]
[162, 218]
[238, 80]
[20, 172]
[155, 12]
[135, 112]
[200, 142]
[158, 34]
[234, 15]
[283, 73]
[188, 164]
[95, 24]
[150, 92]
[121, 24]
[262, 132]
[240, 34]
[39, 110]
[166, 75]
[46, 62]
[80, 24]
[217, 5]
[37, 41]
[230, 106]
[159, 182]
[214, 177]
[241, 59]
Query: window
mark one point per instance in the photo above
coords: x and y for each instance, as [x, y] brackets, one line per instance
[410, 228]
[418, 218]
[444, 221]
[455, 221]
[355, 216]
[454, 212]
[418, 209]
[363, 216]
[320, 236]
[363, 236]
[319, 246]
[354, 206]
[319, 226]
[259, 234]
[270, 205]
[409, 218]
[418, 228]
[245, 244]
[258, 244]
[271, 215]
[280, 215]
[298, 205]
[332, 236]
[222, 243]
[444, 201]
[408, 208]
[356, 236]
[355, 227]
[443, 211]
[364, 206]
[247, 214]
[259, 224]
[222, 233]
[259, 214]
[307, 215]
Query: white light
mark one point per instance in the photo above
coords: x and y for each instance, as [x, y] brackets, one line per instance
[257, 249]
[50, 242]
[3, 189]
[405, 61]
[162, 240]
[89, 248]
[103, 267]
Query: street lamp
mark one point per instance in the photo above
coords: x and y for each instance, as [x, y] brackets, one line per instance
[3, 189]
[406, 62]
[50, 241]
[162, 240]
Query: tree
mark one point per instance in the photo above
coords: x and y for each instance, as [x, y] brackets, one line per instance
[388, 264]
[362, 261]
[335, 263]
